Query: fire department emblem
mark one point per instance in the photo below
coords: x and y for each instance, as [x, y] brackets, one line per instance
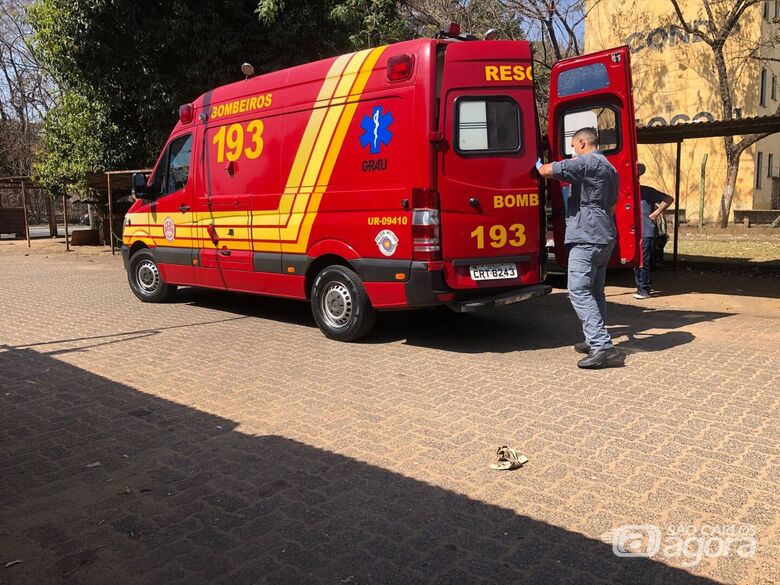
[169, 229]
[375, 130]
[387, 242]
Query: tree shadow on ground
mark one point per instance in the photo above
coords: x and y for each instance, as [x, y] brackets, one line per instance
[181, 496]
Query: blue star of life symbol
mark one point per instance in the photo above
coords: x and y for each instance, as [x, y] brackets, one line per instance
[375, 131]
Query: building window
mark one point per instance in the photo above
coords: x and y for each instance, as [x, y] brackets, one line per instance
[766, 9]
[762, 89]
[774, 85]
[759, 175]
[770, 162]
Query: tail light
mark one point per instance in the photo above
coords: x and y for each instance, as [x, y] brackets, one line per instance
[426, 224]
[399, 67]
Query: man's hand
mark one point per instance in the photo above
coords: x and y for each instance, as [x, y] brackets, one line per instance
[545, 171]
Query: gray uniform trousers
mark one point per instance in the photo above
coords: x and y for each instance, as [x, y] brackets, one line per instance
[586, 275]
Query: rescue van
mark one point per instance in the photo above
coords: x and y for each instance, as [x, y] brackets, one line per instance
[396, 177]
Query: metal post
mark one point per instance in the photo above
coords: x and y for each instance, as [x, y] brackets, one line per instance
[65, 219]
[26, 221]
[110, 214]
[701, 190]
[676, 205]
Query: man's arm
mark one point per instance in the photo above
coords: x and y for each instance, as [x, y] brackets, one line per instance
[665, 202]
[568, 170]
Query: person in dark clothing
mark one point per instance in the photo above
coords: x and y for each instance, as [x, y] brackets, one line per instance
[653, 204]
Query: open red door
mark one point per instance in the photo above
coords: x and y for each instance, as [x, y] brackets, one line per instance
[595, 90]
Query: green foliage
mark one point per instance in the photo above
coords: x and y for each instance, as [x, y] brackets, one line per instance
[375, 22]
[75, 141]
[127, 65]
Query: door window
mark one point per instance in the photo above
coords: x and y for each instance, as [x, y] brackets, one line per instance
[487, 125]
[602, 118]
[174, 168]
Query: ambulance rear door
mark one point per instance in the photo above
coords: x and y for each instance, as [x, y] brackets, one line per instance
[489, 197]
[595, 91]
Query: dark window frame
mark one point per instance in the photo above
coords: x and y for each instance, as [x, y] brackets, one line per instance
[774, 87]
[762, 88]
[164, 166]
[759, 168]
[486, 152]
[618, 122]
[769, 164]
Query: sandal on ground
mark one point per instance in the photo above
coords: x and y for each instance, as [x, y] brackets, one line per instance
[507, 459]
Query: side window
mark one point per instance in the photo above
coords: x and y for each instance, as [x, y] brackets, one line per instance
[487, 125]
[174, 168]
[179, 163]
[603, 118]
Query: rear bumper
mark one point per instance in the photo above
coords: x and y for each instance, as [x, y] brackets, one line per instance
[501, 299]
[427, 288]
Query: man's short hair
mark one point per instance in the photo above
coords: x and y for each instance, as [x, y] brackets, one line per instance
[589, 135]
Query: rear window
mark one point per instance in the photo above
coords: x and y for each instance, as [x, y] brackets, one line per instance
[605, 119]
[487, 125]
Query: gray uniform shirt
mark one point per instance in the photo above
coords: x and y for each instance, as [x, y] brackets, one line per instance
[594, 191]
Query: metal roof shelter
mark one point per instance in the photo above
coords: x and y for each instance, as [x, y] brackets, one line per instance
[123, 181]
[692, 130]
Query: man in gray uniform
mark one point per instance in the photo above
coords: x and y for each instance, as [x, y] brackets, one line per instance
[590, 240]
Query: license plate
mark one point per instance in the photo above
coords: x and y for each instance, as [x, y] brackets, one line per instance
[493, 271]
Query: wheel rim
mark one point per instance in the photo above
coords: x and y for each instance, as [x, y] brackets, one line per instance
[148, 277]
[336, 305]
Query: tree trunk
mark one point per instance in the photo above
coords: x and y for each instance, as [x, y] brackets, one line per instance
[732, 169]
[52, 216]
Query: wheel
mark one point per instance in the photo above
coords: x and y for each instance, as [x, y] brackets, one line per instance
[146, 281]
[340, 304]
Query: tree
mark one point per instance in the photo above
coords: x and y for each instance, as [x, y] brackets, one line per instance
[720, 26]
[26, 91]
[131, 79]
[427, 17]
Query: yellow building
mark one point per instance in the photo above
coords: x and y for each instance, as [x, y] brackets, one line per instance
[675, 81]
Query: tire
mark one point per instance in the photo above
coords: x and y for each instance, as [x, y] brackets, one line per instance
[145, 279]
[340, 304]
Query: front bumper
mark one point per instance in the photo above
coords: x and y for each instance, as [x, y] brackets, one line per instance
[126, 257]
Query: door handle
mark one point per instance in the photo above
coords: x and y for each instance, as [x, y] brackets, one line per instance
[184, 207]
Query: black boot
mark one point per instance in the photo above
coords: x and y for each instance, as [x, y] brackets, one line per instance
[603, 358]
[582, 347]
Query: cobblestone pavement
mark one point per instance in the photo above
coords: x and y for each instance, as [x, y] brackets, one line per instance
[222, 439]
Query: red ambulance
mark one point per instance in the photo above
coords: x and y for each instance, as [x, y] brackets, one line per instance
[391, 178]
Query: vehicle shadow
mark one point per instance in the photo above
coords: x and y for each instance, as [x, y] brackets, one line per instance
[102, 483]
[544, 323]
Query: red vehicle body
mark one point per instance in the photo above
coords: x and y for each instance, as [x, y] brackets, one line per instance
[391, 178]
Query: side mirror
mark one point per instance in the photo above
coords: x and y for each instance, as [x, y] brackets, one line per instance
[140, 189]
